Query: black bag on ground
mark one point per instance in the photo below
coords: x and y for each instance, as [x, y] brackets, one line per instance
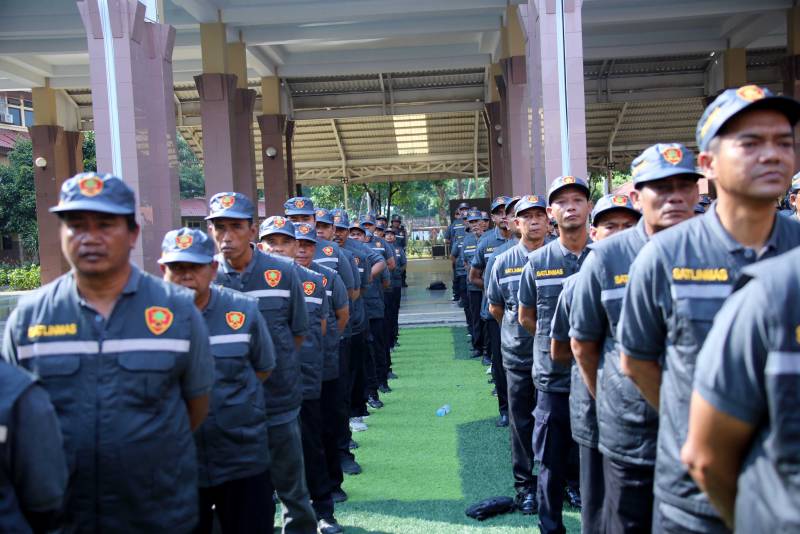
[437, 286]
[490, 507]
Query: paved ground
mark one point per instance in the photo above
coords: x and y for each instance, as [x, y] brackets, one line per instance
[423, 307]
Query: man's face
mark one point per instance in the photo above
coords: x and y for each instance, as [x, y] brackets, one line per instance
[379, 232]
[390, 237]
[396, 225]
[472, 225]
[754, 157]
[195, 276]
[499, 218]
[302, 219]
[232, 236]
[666, 202]
[305, 252]
[96, 244]
[483, 225]
[340, 235]
[369, 227]
[325, 231]
[611, 222]
[358, 235]
[281, 245]
[570, 208]
[532, 224]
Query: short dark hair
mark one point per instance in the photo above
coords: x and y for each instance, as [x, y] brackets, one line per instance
[130, 220]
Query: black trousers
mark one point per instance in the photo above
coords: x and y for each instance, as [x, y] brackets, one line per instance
[628, 500]
[478, 330]
[346, 387]
[455, 284]
[319, 483]
[398, 297]
[521, 401]
[334, 417]
[552, 443]
[664, 522]
[592, 490]
[359, 353]
[498, 372]
[243, 506]
[378, 350]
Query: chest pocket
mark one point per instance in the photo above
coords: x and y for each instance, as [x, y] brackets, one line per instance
[546, 300]
[693, 317]
[146, 378]
[613, 307]
[231, 368]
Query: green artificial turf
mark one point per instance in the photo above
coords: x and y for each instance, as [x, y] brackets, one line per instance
[421, 471]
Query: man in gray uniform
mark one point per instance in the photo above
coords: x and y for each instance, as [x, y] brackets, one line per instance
[517, 344]
[742, 446]
[472, 294]
[665, 189]
[611, 214]
[232, 450]
[397, 287]
[33, 470]
[274, 282]
[453, 235]
[682, 276]
[539, 287]
[125, 359]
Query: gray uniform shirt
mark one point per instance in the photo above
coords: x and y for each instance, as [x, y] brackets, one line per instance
[312, 351]
[678, 282]
[748, 368]
[627, 424]
[332, 256]
[490, 258]
[466, 254]
[539, 287]
[337, 299]
[516, 344]
[582, 410]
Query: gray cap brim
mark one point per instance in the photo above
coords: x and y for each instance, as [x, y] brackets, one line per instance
[186, 257]
[92, 205]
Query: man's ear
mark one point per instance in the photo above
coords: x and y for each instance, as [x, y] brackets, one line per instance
[549, 211]
[636, 199]
[593, 233]
[163, 268]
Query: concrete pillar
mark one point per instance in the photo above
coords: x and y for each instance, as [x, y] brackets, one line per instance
[143, 65]
[544, 87]
[735, 67]
[63, 152]
[244, 159]
[276, 133]
[492, 118]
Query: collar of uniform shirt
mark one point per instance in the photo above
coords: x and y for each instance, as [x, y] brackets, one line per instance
[212, 299]
[227, 269]
[711, 218]
[130, 286]
[566, 252]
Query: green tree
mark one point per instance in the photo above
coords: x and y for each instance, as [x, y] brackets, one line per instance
[596, 182]
[190, 171]
[89, 152]
[18, 197]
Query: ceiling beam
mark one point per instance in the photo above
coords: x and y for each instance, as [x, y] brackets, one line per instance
[416, 158]
[18, 73]
[399, 109]
[600, 13]
[340, 147]
[381, 54]
[755, 28]
[200, 10]
[373, 67]
[260, 62]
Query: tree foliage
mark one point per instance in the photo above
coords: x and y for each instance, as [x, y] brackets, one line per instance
[18, 197]
[596, 181]
[190, 171]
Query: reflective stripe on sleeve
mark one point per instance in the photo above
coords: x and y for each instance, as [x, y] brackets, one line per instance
[543, 282]
[329, 292]
[783, 363]
[509, 279]
[229, 338]
[700, 291]
[146, 345]
[314, 300]
[259, 293]
[612, 294]
[52, 348]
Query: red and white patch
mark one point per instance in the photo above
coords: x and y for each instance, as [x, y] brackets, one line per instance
[309, 287]
[272, 277]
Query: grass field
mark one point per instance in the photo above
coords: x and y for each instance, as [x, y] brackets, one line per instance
[422, 471]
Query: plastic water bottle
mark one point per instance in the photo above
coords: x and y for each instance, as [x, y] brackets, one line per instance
[444, 410]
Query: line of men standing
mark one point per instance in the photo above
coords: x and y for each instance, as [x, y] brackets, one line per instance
[141, 405]
[652, 344]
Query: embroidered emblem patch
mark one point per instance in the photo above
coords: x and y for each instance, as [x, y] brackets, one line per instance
[227, 201]
[235, 319]
[619, 200]
[273, 277]
[184, 241]
[158, 319]
[751, 93]
[309, 287]
[328, 251]
[90, 186]
[568, 180]
[672, 155]
[299, 203]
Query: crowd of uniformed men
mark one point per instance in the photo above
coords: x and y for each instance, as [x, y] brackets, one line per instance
[139, 406]
[645, 349]
[641, 353]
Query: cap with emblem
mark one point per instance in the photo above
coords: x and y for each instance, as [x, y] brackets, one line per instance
[473, 215]
[613, 202]
[323, 216]
[390, 230]
[305, 231]
[528, 202]
[230, 206]
[188, 245]
[499, 201]
[340, 218]
[103, 193]
[511, 204]
[382, 217]
[485, 216]
[796, 183]
[276, 225]
[463, 206]
[298, 206]
[397, 218]
[369, 218]
[661, 161]
[380, 225]
[732, 102]
[563, 182]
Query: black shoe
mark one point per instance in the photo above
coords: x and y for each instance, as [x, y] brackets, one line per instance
[329, 526]
[374, 402]
[353, 445]
[501, 421]
[391, 376]
[349, 466]
[384, 388]
[525, 502]
[338, 495]
[475, 354]
[573, 497]
[486, 361]
[490, 381]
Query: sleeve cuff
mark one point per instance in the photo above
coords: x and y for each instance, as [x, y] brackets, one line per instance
[199, 392]
[586, 335]
[641, 355]
[726, 405]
